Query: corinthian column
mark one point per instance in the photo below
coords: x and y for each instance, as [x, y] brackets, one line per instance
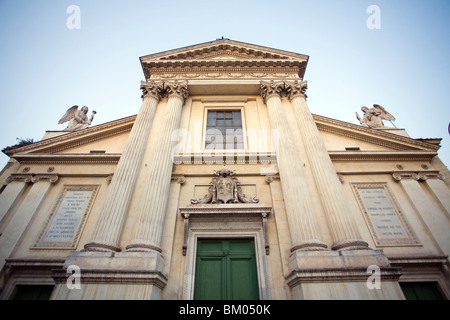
[147, 236]
[114, 211]
[342, 227]
[303, 224]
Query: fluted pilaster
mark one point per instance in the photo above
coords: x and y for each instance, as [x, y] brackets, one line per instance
[303, 224]
[148, 232]
[342, 227]
[112, 217]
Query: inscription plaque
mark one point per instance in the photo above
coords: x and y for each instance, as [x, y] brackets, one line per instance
[65, 223]
[386, 222]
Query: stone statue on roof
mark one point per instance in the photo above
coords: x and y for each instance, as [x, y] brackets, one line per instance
[77, 119]
[373, 117]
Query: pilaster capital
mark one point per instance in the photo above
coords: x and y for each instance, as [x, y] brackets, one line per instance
[180, 179]
[271, 178]
[430, 175]
[399, 175]
[417, 175]
[20, 177]
[151, 89]
[177, 89]
[52, 178]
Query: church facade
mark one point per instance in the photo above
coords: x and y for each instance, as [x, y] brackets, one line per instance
[224, 185]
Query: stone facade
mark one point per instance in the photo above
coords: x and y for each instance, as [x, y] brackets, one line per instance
[126, 202]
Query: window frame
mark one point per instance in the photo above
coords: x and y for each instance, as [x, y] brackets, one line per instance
[224, 108]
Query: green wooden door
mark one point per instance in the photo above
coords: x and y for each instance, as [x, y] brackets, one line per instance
[226, 270]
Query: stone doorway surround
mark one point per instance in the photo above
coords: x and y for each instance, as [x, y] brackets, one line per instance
[225, 221]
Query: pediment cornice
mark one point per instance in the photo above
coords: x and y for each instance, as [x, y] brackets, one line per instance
[226, 57]
[225, 46]
[75, 139]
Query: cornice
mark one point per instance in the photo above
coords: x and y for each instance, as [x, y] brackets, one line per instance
[114, 277]
[414, 155]
[222, 46]
[68, 158]
[206, 64]
[336, 275]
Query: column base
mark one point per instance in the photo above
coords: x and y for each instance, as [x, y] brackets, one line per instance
[142, 246]
[110, 275]
[343, 275]
[352, 244]
[313, 245]
[101, 247]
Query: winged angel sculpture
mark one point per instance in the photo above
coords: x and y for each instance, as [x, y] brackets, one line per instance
[373, 117]
[77, 119]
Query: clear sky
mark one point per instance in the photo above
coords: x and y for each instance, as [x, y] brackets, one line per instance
[46, 68]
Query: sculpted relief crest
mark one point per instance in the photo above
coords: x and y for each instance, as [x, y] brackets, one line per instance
[224, 189]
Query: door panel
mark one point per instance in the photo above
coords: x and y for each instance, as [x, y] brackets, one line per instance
[209, 280]
[226, 269]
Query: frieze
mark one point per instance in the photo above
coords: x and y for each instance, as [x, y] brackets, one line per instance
[155, 76]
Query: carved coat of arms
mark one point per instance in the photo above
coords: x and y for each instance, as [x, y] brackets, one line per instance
[224, 189]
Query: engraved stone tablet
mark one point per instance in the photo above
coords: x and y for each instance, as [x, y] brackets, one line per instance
[386, 222]
[65, 223]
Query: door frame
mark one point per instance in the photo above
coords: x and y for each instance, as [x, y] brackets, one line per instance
[226, 227]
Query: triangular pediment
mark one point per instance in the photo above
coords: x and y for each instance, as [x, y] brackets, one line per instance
[225, 48]
[224, 53]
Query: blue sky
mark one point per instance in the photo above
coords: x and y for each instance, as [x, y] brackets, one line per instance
[45, 68]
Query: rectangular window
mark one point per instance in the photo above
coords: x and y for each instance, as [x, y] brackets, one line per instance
[33, 292]
[421, 291]
[224, 130]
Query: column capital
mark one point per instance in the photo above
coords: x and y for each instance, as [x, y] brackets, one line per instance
[271, 88]
[282, 88]
[177, 89]
[151, 89]
[296, 89]
[180, 179]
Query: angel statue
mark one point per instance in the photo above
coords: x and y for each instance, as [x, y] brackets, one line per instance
[373, 117]
[78, 119]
